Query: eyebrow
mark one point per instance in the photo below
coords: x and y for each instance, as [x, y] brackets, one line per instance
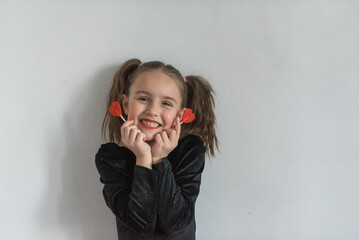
[165, 97]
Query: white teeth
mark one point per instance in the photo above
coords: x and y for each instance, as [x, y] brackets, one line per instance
[150, 124]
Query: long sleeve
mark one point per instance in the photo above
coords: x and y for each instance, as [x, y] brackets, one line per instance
[179, 181]
[129, 190]
[153, 204]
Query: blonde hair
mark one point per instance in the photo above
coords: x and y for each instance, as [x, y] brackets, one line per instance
[196, 92]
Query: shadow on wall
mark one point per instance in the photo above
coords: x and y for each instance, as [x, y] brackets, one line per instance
[75, 197]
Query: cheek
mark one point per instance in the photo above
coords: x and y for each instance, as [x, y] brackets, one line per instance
[169, 118]
[133, 112]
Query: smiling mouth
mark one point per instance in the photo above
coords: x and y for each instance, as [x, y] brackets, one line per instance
[149, 124]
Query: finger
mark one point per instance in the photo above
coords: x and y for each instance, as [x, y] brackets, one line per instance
[167, 130]
[125, 125]
[173, 135]
[133, 134]
[178, 127]
[158, 138]
[127, 130]
[140, 137]
[164, 136]
[128, 123]
[174, 124]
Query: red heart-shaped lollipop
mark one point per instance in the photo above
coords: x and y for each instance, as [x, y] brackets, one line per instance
[188, 116]
[115, 110]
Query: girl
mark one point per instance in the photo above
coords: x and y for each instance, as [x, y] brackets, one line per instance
[151, 169]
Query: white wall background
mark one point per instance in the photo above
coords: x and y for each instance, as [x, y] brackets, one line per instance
[286, 75]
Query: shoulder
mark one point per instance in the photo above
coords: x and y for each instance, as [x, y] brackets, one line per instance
[110, 146]
[190, 152]
[111, 151]
[191, 139]
[114, 162]
[107, 149]
[190, 143]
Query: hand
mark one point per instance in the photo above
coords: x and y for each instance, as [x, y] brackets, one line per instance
[165, 142]
[134, 140]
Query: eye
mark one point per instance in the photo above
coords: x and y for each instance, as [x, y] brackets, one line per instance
[142, 99]
[168, 104]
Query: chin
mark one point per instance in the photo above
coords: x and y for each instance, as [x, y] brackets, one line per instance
[150, 141]
[150, 138]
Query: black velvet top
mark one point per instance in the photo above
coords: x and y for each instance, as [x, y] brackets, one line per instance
[157, 203]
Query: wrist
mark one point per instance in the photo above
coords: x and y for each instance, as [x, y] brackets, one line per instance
[144, 161]
[157, 160]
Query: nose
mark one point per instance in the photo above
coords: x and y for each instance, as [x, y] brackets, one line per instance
[153, 110]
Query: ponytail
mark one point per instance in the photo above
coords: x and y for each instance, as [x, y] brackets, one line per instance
[121, 85]
[201, 100]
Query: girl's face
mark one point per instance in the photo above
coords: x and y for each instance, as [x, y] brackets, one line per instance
[153, 103]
